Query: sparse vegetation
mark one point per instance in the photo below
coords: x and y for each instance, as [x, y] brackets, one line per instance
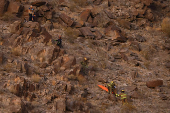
[166, 26]
[35, 78]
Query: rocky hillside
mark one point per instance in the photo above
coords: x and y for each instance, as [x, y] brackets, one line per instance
[127, 41]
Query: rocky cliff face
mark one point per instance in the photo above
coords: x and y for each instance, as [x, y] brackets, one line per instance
[126, 41]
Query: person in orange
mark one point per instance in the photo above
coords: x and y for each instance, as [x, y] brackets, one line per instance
[31, 12]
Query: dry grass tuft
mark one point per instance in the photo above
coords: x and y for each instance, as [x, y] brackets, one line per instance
[128, 108]
[35, 78]
[166, 26]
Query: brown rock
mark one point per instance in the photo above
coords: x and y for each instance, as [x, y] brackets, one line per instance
[149, 15]
[38, 3]
[135, 46]
[3, 6]
[124, 23]
[15, 8]
[68, 61]
[86, 32]
[66, 19]
[124, 56]
[60, 105]
[47, 36]
[85, 15]
[97, 2]
[136, 95]
[147, 2]
[32, 25]
[167, 65]
[155, 83]
[109, 14]
[98, 34]
[31, 87]
[140, 38]
[14, 27]
[1, 58]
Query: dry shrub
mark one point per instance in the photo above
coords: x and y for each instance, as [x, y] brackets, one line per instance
[128, 108]
[166, 26]
[35, 78]
[16, 51]
[9, 17]
[72, 34]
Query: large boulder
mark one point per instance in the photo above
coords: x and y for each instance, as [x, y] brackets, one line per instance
[154, 83]
[66, 19]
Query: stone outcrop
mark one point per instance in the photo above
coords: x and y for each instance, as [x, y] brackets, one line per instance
[155, 83]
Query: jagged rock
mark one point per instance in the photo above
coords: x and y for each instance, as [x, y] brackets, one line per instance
[140, 38]
[3, 6]
[98, 34]
[60, 105]
[155, 83]
[167, 65]
[86, 32]
[124, 23]
[15, 8]
[85, 15]
[135, 46]
[14, 27]
[66, 19]
[38, 3]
